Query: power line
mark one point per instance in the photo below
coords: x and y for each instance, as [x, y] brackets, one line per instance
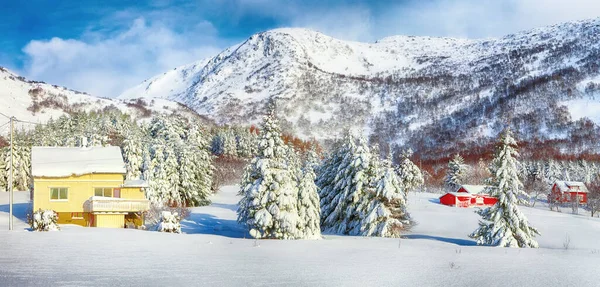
[5, 124]
[27, 122]
[18, 120]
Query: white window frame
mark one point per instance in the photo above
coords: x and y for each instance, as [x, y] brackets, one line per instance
[58, 188]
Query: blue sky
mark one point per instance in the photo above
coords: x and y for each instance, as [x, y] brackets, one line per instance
[104, 47]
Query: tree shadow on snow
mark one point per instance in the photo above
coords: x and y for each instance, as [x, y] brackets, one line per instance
[202, 223]
[232, 207]
[435, 200]
[20, 210]
[457, 241]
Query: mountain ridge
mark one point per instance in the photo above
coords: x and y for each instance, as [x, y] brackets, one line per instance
[421, 92]
[38, 102]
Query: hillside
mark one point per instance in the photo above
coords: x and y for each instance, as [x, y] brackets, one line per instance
[38, 102]
[436, 95]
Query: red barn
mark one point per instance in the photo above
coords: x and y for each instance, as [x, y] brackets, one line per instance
[468, 196]
[568, 191]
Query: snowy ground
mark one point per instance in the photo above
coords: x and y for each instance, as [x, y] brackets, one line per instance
[214, 252]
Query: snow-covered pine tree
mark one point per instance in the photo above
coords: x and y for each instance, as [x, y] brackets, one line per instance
[309, 211]
[269, 192]
[4, 153]
[132, 154]
[245, 143]
[312, 159]
[566, 170]
[503, 224]
[410, 174]
[455, 175]
[202, 163]
[339, 204]
[157, 192]
[552, 171]
[327, 175]
[587, 174]
[385, 214]
[224, 143]
[171, 167]
[21, 165]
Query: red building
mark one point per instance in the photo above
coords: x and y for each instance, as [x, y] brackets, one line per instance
[568, 191]
[468, 196]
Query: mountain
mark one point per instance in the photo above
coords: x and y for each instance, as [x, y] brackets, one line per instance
[38, 102]
[435, 95]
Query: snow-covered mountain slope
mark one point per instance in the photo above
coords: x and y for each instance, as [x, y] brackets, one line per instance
[38, 102]
[427, 92]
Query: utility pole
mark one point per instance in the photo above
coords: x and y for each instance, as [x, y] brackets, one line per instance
[10, 217]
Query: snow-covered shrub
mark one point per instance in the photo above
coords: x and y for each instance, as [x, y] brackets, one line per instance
[154, 216]
[44, 220]
[169, 222]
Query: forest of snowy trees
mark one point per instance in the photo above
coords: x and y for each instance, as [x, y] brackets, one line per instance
[290, 189]
[171, 153]
[286, 195]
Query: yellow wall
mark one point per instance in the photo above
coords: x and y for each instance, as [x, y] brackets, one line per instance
[80, 189]
[79, 218]
[109, 220]
[132, 193]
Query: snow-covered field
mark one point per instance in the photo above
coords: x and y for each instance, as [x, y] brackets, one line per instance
[214, 252]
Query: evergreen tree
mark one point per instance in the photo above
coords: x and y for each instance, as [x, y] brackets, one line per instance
[157, 192]
[327, 179]
[4, 154]
[455, 175]
[245, 143]
[309, 213]
[132, 154]
[203, 165]
[386, 214]
[269, 192]
[171, 167]
[410, 174]
[552, 171]
[340, 198]
[224, 143]
[503, 224]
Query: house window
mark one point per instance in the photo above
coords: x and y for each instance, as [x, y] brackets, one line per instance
[58, 193]
[103, 191]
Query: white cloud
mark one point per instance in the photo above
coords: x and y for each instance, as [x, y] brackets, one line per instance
[348, 23]
[486, 18]
[107, 65]
[447, 18]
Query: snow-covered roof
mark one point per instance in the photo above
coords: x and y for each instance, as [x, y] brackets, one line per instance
[565, 186]
[474, 189]
[67, 161]
[135, 183]
[459, 194]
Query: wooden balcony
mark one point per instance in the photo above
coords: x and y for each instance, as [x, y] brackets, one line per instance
[107, 204]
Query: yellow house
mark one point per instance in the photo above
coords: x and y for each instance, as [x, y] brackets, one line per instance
[86, 186]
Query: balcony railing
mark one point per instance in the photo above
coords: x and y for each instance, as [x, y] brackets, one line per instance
[95, 204]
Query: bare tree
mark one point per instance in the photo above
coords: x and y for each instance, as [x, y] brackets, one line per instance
[575, 204]
[552, 201]
[535, 187]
